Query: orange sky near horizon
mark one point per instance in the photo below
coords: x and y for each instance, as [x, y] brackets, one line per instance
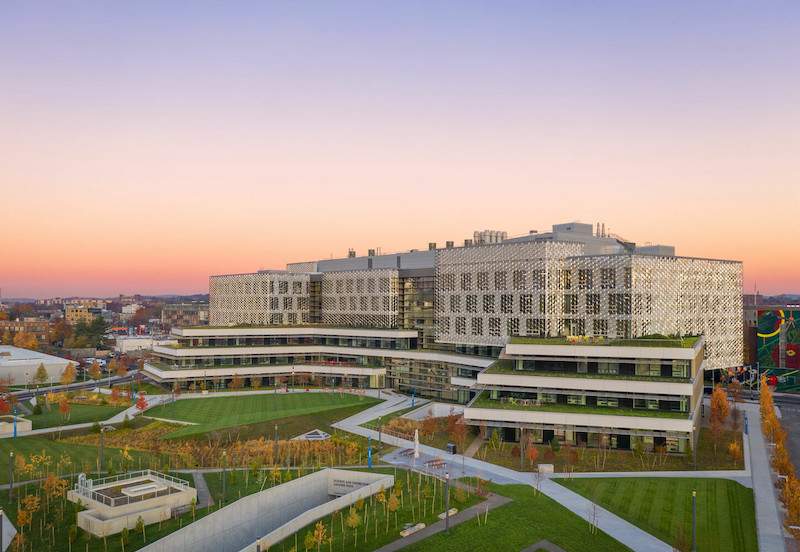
[147, 147]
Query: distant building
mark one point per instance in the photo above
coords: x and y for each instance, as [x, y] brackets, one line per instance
[39, 328]
[129, 311]
[21, 364]
[185, 314]
[82, 314]
[126, 344]
[84, 302]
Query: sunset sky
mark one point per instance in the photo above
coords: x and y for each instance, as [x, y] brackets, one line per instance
[145, 145]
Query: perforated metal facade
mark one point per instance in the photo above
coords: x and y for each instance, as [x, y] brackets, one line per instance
[262, 298]
[486, 294]
[361, 298]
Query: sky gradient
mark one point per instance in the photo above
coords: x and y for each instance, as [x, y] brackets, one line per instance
[147, 145]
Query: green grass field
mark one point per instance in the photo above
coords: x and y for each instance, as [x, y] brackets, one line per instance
[725, 510]
[78, 414]
[518, 525]
[82, 457]
[215, 413]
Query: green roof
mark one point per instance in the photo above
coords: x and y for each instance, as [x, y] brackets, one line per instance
[646, 341]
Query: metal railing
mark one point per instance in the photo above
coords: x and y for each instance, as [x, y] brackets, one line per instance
[113, 502]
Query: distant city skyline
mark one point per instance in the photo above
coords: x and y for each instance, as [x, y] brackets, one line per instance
[148, 146]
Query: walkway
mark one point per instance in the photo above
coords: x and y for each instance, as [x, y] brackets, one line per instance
[204, 498]
[619, 529]
[493, 501]
[768, 517]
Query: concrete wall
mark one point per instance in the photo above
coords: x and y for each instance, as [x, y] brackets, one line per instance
[276, 512]
[22, 425]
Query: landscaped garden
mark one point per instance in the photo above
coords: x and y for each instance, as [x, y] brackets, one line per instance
[663, 508]
[584, 459]
[517, 525]
[377, 520]
[215, 413]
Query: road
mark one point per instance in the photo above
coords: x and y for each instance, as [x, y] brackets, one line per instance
[77, 386]
[790, 421]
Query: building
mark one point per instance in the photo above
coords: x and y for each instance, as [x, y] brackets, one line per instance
[185, 314]
[595, 392]
[431, 321]
[21, 364]
[39, 328]
[82, 314]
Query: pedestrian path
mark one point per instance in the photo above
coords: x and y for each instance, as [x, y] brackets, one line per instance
[768, 518]
[473, 447]
[616, 527]
[204, 498]
[492, 501]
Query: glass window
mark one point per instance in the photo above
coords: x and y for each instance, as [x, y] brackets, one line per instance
[472, 303]
[488, 304]
[513, 326]
[477, 326]
[519, 279]
[539, 278]
[526, 304]
[455, 303]
[607, 278]
[500, 281]
[608, 401]
[506, 304]
[494, 327]
[466, 281]
[576, 399]
[483, 280]
[461, 325]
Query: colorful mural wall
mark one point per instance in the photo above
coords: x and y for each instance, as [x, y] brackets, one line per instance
[769, 347]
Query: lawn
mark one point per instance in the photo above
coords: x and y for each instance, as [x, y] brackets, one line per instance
[594, 460]
[381, 533]
[725, 510]
[216, 413]
[82, 457]
[518, 525]
[78, 414]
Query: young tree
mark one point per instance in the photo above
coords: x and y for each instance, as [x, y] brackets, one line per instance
[353, 521]
[320, 534]
[393, 504]
[112, 366]
[114, 398]
[40, 377]
[532, 454]
[141, 403]
[8, 339]
[94, 371]
[5, 408]
[120, 369]
[64, 408]
[68, 375]
[719, 413]
[255, 383]
[237, 382]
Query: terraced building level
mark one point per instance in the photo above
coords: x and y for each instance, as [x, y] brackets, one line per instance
[433, 321]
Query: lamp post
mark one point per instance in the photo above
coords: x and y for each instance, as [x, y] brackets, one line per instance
[224, 455]
[694, 520]
[380, 437]
[292, 379]
[694, 448]
[521, 449]
[11, 477]
[276, 394]
[101, 448]
[276, 445]
[1, 528]
[44, 410]
[447, 504]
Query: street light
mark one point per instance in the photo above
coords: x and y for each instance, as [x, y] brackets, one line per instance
[224, 455]
[447, 504]
[694, 448]
[276, 445]
[694, 521]
[11, 477]
[292, 379]
[380, 437]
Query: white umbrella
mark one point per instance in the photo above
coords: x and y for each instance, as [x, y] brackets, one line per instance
[416, 443]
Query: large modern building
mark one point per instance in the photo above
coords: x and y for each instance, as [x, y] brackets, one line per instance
[431, 321]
